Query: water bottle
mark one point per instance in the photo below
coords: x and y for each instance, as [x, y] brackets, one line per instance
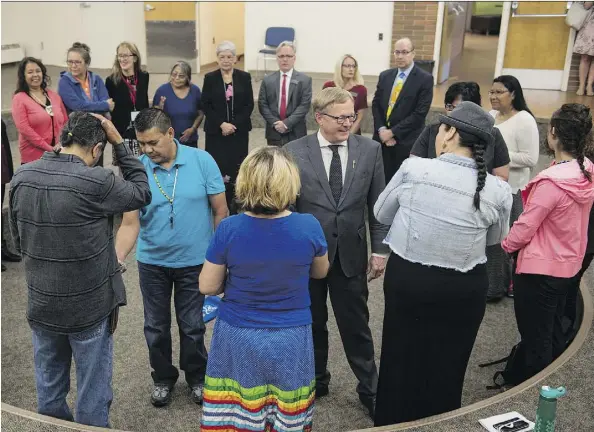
[546, 413]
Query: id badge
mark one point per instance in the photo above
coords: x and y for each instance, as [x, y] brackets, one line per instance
[133, 115]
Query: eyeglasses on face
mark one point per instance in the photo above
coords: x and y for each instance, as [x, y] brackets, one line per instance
[497, 92]
[285, 56]
[450, 107]
[349, 66]
[125, 56]
[341, 119]
[403, 53]
[74, 62]
[178, 76]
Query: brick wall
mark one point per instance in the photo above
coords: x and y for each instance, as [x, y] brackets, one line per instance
[416, 20]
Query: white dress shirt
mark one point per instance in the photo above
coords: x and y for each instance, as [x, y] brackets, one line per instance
[343, 152]
[280, 89]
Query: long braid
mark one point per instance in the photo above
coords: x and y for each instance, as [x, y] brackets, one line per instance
[478, 153]
[580, 160]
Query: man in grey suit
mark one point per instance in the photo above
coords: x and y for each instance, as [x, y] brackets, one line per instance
[341, 173]
[284, 99]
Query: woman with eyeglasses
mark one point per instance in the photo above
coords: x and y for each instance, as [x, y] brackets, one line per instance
[520, 132]
[81, 89]
[182, 101]
[443, 213]
[128, 87]
[38, 112]
[348, 77]
[228, 102]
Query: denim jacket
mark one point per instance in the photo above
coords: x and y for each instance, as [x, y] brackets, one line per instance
[429, 205]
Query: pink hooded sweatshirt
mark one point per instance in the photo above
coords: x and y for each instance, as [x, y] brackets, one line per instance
[552, 232]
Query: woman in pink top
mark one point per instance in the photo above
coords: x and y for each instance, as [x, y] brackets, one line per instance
[551, 237]
[38, 112]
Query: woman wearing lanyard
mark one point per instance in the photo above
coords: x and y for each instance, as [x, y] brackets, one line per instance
[81, 89]
[128, 87]
[38, 112]
[228, 102]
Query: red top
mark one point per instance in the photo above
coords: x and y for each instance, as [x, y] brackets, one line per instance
[34, 124]
[359, 92]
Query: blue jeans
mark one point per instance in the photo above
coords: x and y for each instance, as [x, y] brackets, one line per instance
[92, 350]
[157, 284]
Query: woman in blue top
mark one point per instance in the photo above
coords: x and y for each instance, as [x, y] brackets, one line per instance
[81, 89]
[260, 372]
[181, 100]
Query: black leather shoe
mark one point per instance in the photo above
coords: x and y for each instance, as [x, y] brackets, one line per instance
[197, 393]
[369, 403]
[9, 256]
[322, 391]
[161, 395]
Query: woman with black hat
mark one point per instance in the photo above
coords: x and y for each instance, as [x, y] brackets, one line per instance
[443, 212]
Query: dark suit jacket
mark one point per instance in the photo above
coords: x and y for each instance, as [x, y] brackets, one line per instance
[298, 104]
[407, 119]
[343, 224]
[214, 102]
[120, 94]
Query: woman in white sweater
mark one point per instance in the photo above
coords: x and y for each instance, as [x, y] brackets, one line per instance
[520, 132]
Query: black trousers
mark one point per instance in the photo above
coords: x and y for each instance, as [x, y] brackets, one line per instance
[539, 303]
[157, 284]
[431, 319]
[573, 289]
[278, 143]
[349, 302]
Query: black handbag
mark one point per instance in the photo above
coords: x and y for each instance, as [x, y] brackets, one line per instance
[512, 374]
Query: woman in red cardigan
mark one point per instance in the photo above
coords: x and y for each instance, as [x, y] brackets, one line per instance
[38, 112]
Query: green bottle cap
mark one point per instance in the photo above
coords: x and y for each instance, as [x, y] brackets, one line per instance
[552, 393]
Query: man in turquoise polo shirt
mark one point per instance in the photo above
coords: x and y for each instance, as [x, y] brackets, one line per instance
[173, 234]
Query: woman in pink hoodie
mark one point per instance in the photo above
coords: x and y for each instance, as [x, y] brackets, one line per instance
[551, 237]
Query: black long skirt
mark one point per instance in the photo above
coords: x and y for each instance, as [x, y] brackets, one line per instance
[431, 319]
[228, 152]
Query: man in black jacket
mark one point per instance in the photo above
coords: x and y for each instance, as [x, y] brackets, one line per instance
[61, 218]
[400, 104]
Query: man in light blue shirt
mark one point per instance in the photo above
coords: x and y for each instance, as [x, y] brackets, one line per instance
[173, 234]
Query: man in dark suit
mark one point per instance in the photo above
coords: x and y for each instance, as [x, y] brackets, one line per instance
[400, 104]
[340, 174]
[284, 99]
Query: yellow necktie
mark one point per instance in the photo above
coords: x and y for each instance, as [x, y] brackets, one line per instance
[394, 96]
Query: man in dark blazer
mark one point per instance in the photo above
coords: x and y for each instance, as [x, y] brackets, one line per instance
[284, 99]
[341, 173]
[400, 104]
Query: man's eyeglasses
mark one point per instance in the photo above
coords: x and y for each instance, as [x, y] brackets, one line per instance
[404, 53]
[285, 57]
[74, 62]
[341, 119]
[449, 107]
[125, 56]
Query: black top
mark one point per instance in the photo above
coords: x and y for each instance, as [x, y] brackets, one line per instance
[120, 94]
[496, 154]
[218, 110]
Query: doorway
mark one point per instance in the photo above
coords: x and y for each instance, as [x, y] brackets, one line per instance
[220, 21]
[170, 35]
[469, 41]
